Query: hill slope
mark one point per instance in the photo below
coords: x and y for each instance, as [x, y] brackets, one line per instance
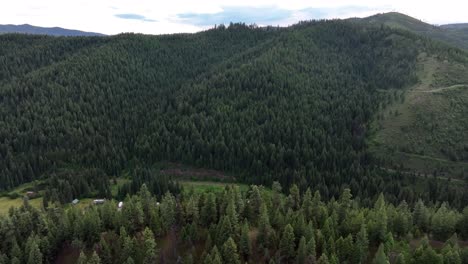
[455, 35]
[424, 129]
[52, 31]
[290, 104]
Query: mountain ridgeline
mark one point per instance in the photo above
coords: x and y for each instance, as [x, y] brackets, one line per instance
[453, 34]
[50, 31]
[288, 104]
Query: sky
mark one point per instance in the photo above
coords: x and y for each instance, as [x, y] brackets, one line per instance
[184, 16]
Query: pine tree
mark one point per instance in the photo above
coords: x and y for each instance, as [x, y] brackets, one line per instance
[209, 212]
[128, 250]
[149, 247]
[362, 244]
[421, 216]
[233, 217]
[287, 243]
[380, 219]
[425, 254]
[129, 261]
[229, 253]
[451, 255]
[400, 259]
[3, 258]
[16, 251]
[223, 230]
[106, 252]
[345, 204]
[168, 211]
[307, 204]
[295, 196]
[323, 259]
[311, 248]
[35, 255]
[302, 251]
[380, 256]
[94, 259]
[264, 228]
[82, 258]
[245, 247]
[463, 224]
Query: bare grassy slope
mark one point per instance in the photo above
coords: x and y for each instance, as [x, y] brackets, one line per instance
[425, 129]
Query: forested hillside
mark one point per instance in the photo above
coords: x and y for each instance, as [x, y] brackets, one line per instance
[291, 104]
[307, 110]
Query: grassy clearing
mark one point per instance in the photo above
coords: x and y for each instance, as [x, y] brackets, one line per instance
[6, 203]
[210, 186]
[426, 131]
[23, 188]
[116, 185]
[14, 197]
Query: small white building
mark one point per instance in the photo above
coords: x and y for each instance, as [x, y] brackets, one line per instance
[75, 202]
[120, 205]
[99, 201]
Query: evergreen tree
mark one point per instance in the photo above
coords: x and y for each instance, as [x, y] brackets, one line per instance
[463, 224]
[287, 243]
[443, 223]
[209, 212]
[302, 251]
[400, 259]
[311, 248]
[264, 228]
[362, 244]
[129, 261]
[35, 255]
[168, 211]
[149, 247]
[16, 251]
[245, 248]
[82, 258]
[421, 216]
[94, 259]
[380, 256]
[323, 259]
[230, 254]
[233, 216]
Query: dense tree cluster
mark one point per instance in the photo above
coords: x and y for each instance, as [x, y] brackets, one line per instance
[258, 225]
[289, 104]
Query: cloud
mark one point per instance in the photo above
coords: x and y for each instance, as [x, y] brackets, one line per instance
[177, 16]
[135, 17]
[249, 15]
[339, 12]
[271, 15]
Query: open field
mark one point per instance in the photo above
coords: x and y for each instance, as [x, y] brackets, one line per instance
[6, 203]
[203, 186]
[198, 186]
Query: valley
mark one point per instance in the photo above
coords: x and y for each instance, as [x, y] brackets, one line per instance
[327, 141]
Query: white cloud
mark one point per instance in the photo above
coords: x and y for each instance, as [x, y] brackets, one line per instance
[164, 16]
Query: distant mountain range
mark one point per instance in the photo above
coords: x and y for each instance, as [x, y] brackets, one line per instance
[53, 31]
[452, 34]
[463, 26]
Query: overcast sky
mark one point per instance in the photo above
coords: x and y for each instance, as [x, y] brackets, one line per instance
[173, 16]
